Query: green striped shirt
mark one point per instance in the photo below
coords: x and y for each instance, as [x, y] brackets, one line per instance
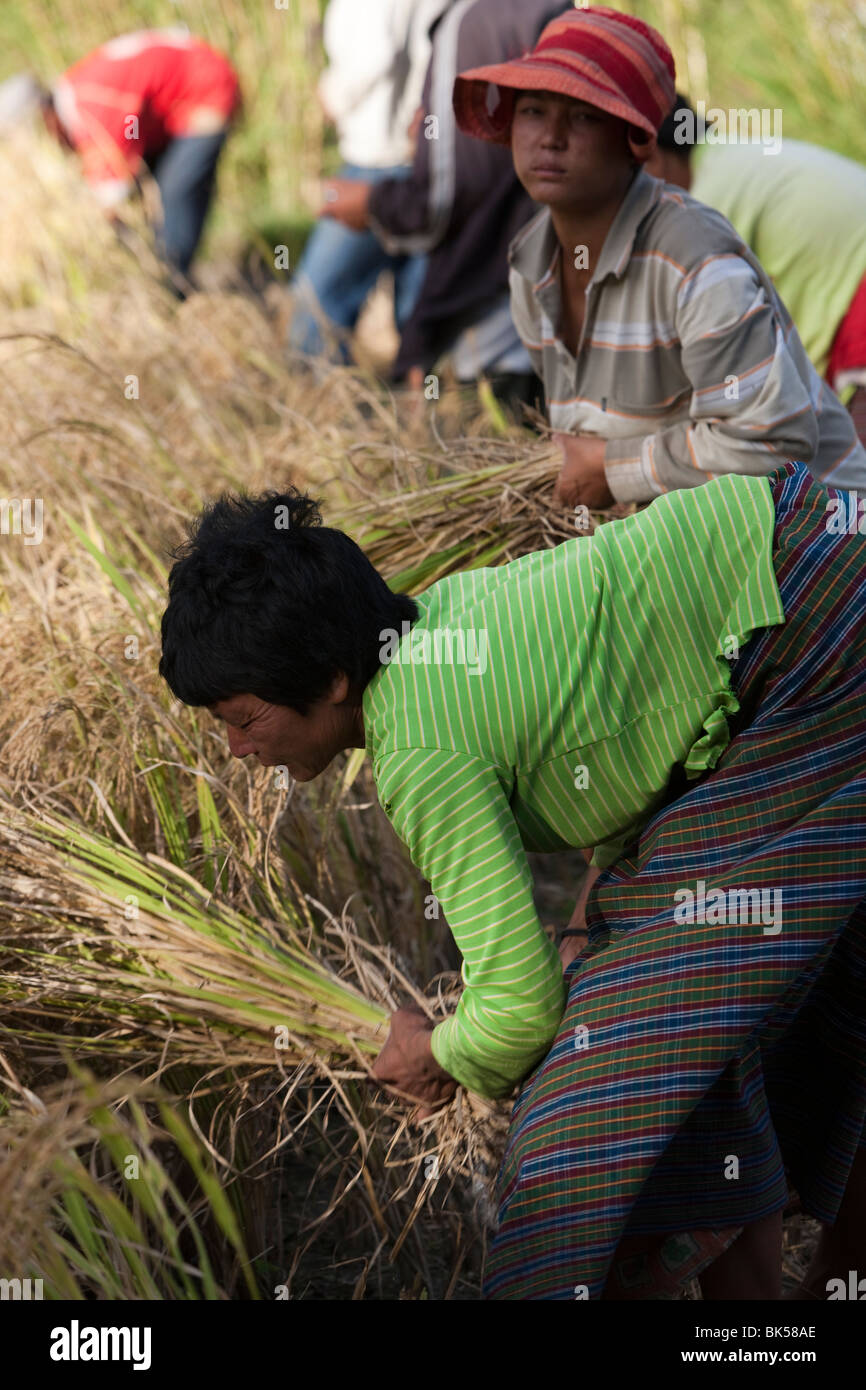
[543, 705]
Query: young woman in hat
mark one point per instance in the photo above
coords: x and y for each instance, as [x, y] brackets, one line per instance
[666, 355]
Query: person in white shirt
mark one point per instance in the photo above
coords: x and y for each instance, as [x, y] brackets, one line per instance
[378, 54]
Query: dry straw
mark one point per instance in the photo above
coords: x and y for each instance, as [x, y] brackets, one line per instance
[119, 953]
[124, 410]
[115, 792]
[477, 502]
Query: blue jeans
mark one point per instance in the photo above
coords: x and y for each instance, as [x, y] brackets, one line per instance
[338, 270]
[186, 173]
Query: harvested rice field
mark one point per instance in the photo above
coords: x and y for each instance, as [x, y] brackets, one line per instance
[199, 959]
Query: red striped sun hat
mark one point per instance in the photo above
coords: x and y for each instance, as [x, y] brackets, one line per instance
[598, 55]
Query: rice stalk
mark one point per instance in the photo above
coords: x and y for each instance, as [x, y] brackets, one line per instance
[124, 954]
[484, 503]
[183, 985]
[108, 1194]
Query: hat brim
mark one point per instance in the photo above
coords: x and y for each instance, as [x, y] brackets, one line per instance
[471, 91]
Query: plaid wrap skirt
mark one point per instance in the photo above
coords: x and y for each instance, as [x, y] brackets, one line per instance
[713, 1046]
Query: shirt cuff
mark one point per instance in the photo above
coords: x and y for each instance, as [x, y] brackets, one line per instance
[479, 1080]
[626, 472]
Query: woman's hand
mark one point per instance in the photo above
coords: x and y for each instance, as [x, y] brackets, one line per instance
[406, 1063]
[581, 478]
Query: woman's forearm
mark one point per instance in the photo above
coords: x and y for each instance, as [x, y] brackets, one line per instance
[572, 945]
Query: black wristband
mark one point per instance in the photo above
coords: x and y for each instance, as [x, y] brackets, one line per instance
[574, 931]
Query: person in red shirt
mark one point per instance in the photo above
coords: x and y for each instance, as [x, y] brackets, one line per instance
[161, 98]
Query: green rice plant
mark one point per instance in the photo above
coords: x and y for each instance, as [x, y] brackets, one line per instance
[127, 955]
[108, 1193]
[125, 960]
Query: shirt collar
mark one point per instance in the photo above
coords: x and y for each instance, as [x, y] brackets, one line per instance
[534, 251]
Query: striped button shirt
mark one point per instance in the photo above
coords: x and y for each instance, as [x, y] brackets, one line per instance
[543, 705]
[688, 363]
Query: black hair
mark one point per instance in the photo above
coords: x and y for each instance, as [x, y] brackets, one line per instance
[671, 125]
[265, 600]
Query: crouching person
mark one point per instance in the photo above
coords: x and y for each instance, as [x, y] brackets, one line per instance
[706, 733]
[160, 98]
